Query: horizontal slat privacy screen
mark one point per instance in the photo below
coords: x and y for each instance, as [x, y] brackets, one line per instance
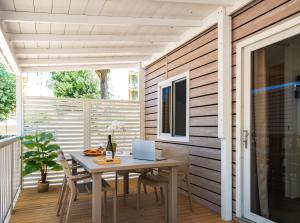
[79, 124]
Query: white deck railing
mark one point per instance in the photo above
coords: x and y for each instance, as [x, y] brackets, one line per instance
[10, 175]
[79, 124]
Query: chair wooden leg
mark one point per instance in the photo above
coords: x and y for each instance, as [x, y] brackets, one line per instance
[61, 190]
[189, 193]
[116, 182]
[72, 199]
[156, 194]
[145, 188]
[76, 191]
[115, 206]
[64, 202]
[162, 195]
[125, 184]
[138, 194]
[61, 196]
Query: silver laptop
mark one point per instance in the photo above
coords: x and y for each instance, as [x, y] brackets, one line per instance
[145, 150]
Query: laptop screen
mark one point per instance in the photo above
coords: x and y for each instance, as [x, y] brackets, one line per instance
[143, 149]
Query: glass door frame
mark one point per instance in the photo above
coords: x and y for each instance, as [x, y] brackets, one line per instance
[243, 110]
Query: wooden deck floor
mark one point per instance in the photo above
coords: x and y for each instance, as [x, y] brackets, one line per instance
[33, 207]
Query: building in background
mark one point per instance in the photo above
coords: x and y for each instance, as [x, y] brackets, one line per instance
[133, 85]
[37, 84]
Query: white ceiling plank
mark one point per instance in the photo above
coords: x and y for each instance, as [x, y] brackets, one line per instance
[94, 7]
[85, 29]
[90, 38]
[42, 28]
[30, 45]
[88, 51]
[65, 44]
[10, 16]
[12, 27]
[238, 5]
[57, 28]
[119, 44]
[208, 22]
[43, 5]
[203, 2]
[7, 5]
[71, 29]
[55, 45]
[78, 44]
[79, 67]
[134, 8]
[25, 6]
[43, 45]
[78, 61]
[27, 28]
[60, 6]
[77, 6]
[19, 45]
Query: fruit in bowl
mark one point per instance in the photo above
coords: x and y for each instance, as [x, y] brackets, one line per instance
[92, 152]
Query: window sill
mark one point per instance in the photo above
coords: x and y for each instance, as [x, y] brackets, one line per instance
[173, 138]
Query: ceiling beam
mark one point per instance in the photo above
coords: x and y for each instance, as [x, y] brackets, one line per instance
[79, 67]
[202, 2]
[88, 51]
[91, 38]
[11, 16]
[81, 61]
[6, 55]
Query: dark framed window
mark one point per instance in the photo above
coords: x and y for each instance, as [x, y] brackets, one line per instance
[173, 108]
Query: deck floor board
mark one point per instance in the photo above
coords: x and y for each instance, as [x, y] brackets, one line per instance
[33, 207]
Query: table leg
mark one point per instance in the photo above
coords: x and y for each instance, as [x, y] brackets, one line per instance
[96, 198]
[126, 183]
[172, 196]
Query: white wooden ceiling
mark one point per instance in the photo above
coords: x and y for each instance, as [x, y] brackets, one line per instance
[64, 34]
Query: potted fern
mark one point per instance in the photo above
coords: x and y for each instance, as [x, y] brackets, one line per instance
[40, 156]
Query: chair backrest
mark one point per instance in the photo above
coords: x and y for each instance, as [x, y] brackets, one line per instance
[61, 155]
[177, 152]
[66, 167]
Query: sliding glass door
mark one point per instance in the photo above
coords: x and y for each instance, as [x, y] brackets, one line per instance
[272, 154]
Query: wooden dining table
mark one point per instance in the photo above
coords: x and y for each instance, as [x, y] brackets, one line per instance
[127, 163]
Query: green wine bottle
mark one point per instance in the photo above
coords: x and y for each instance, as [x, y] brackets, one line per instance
[109, 150]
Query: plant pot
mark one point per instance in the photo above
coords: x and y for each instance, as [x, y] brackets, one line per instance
[43, 187]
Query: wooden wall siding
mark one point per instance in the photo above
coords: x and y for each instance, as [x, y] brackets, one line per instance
[199, 56]
[252, 19]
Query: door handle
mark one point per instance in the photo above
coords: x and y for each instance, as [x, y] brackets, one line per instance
[245, 138]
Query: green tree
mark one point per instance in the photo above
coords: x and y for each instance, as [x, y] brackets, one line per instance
[75, 84]
[7, 93]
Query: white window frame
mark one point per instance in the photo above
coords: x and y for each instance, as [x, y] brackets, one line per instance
[163, 84]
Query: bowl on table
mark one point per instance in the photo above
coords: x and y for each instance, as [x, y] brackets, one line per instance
[93, 152]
